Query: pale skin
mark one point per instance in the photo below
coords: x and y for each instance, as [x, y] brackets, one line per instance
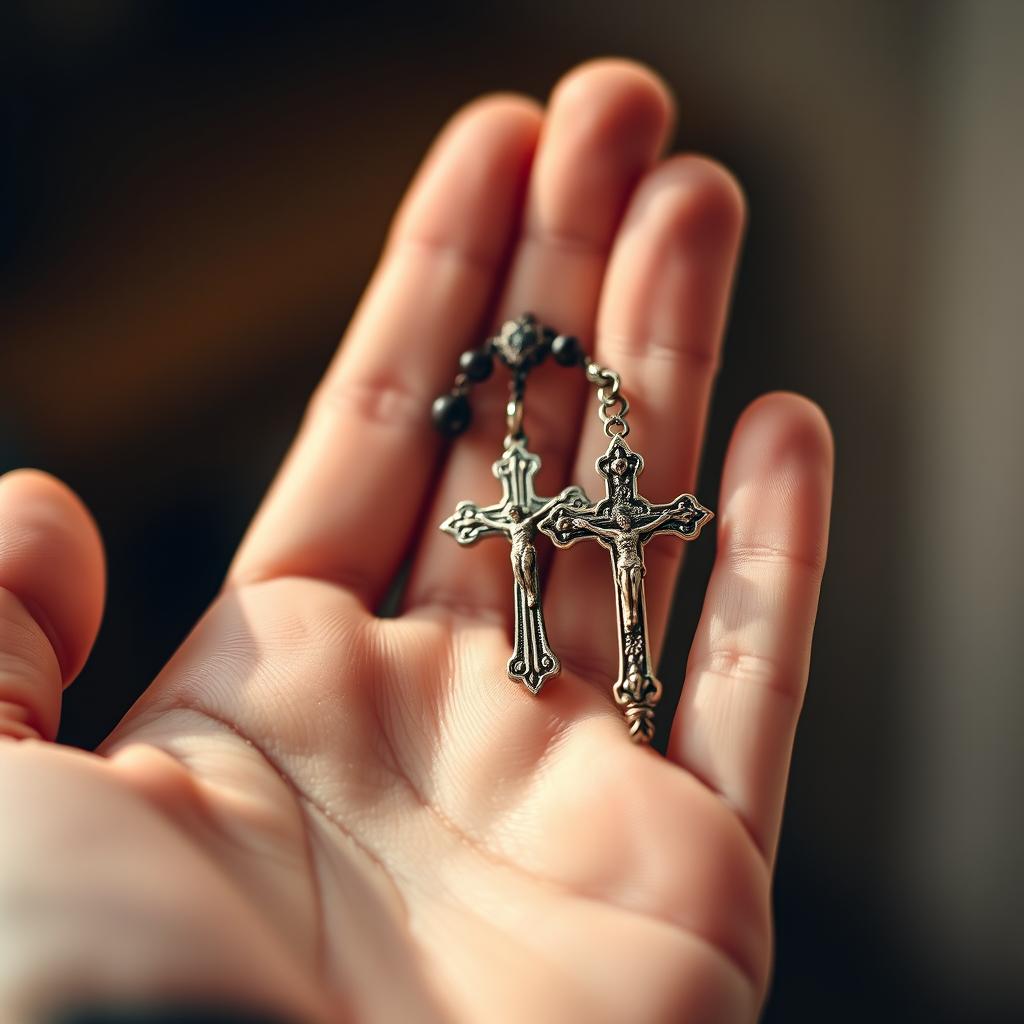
[349, 818]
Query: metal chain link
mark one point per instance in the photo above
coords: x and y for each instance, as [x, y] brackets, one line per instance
[514, 412]
[614, 405]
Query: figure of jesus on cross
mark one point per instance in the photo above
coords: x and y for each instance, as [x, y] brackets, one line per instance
[626, 540]
[515, 517]
[623, 522]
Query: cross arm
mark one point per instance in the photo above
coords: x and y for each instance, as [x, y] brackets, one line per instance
[559, 523]
[591, 527]
[568, 496]
[469, 522]
[685, 517]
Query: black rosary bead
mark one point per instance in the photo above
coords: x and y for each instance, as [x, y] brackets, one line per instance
[477, 364]
[566, 350]
[451, 414]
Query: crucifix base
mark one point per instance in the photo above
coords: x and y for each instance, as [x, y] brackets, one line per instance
[623, 522]
[532, 659]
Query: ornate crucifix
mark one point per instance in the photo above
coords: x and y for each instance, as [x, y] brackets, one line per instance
[516, 517]
[623, 522]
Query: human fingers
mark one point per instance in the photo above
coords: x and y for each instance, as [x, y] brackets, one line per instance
[606, 123]
[748, 666]
[52, 581]
[350, 492]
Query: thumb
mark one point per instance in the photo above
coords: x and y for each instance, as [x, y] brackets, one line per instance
[51, 599]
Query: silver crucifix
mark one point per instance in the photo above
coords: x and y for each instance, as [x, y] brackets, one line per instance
[623, 522]
[516, 517]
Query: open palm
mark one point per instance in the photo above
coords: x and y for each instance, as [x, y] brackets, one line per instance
[339, 816]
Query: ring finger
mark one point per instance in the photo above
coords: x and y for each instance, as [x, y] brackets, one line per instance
[660, 327]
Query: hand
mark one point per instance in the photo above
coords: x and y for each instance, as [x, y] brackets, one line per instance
[345, 817]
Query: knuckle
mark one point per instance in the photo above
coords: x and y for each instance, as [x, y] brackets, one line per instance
[753, 668]
[380, 401]
[742, 554]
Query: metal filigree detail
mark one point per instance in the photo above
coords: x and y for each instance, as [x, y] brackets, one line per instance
[515, 517]
[624, 522]
[521, 343]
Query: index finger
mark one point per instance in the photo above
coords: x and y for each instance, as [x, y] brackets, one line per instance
[349, 494]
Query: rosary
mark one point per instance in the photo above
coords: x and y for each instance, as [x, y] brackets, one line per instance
[623, 521]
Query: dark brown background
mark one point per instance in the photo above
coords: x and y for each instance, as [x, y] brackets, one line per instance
[192, 196]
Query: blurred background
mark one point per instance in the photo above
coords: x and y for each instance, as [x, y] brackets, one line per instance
[192, 196]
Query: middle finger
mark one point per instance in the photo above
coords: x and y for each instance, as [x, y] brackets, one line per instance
[606, 124]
